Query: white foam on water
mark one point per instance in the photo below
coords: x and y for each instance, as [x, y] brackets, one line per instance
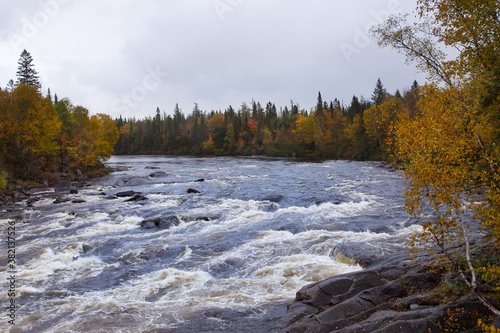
[43, 202]
[59, 265]
[109, 226]
[329, 210]
[184, 255]
[264, 266]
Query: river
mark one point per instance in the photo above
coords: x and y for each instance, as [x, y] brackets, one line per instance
[258, 230]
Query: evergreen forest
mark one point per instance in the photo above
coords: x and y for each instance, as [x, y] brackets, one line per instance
[330, 130]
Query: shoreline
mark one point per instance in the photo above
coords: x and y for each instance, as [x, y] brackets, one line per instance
[406, 296]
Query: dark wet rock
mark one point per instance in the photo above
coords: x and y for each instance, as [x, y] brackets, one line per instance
[161, 222]
[73, 191]
[273, 198]
[353, 253]
[137, 197]
[86, 248]
[192, 191]
[201, 180]
[202, 218]
[206, 218]
[152, 168]
[158, 174]
[77, 201]
[111, 197]
[99, 193]
[126, 194]
[368, 255]
[61, 200]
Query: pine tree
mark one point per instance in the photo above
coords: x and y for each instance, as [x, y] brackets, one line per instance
[26, 73]
[379, 93]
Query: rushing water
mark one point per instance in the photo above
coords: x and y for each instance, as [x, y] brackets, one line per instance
[258, 231]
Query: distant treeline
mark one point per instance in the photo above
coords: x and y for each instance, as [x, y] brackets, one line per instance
[330, 130]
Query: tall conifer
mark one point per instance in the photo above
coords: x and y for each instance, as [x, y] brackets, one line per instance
[26, 73]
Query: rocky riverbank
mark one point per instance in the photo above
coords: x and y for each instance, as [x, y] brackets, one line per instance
[408, 297]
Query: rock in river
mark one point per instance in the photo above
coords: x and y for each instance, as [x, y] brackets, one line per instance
[126, 194]
[161, 222]
[158, 174]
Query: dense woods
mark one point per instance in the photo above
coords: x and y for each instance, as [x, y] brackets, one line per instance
[42, 139]
[330, 130]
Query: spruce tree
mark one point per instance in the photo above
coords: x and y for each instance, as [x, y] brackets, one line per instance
[26, 73]
[379, 93]
[319, 105]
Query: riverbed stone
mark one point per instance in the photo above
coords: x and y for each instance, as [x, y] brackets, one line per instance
[124, 194]
[137, 197]
[276, 198]
[61, 200]
[192, 191]
[158, 174]
[77, 201]
[161, 222]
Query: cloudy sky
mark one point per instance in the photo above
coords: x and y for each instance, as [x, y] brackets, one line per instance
[128, 56]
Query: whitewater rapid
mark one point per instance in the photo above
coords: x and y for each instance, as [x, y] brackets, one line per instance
[257, 231]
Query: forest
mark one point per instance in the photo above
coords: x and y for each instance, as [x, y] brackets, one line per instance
[43, 139]
[330, 130]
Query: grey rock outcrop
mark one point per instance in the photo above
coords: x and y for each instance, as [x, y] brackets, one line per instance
[382, 299]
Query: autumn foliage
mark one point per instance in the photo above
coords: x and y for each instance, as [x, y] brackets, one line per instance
[448, 147]
[39, 139]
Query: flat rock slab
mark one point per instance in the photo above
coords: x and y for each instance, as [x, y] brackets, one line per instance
[378, 300]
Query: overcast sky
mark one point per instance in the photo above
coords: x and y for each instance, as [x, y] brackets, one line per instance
[129, 57]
